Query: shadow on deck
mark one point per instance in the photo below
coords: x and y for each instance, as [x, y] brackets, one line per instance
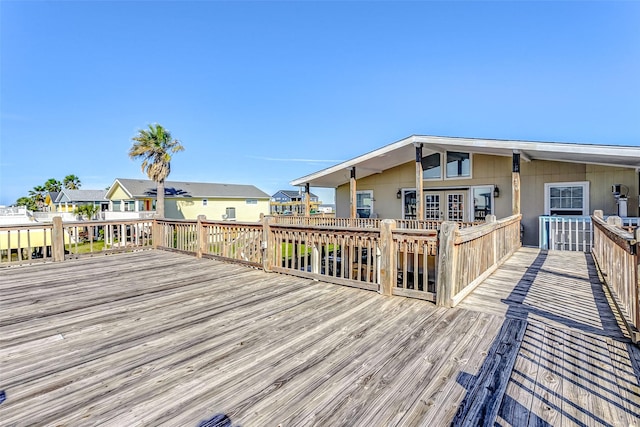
[153, 338]
[561, 357]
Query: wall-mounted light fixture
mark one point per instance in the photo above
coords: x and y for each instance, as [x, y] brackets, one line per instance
[399, 194]
[496, 191]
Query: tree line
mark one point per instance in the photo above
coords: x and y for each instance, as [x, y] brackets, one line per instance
[36, 198]
[154, 146]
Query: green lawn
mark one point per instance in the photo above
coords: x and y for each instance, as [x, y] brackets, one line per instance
[85, 248]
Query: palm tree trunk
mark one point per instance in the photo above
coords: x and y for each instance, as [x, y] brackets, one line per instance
[160, 199]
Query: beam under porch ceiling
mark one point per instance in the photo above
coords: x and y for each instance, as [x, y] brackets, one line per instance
[352, 192]
[419, 182]
[523, 155]
[307, 200]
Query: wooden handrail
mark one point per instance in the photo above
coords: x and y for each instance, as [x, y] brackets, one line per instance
[468, 256]
[615, 252]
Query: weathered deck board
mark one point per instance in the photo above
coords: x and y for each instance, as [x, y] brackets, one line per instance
[154, 338]
[576, 366]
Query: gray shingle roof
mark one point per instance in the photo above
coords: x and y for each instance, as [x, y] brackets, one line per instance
[295, 193]
[81, 195]
[146, 188]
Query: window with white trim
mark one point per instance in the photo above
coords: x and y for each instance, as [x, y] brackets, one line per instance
[364, 203]
[431, 166]
[566, 198]
[230, 213]
[458, 164]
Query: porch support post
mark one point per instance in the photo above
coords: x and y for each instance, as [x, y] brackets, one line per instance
[307, 200]
[419, 183]
[515, 184]
[352, 189]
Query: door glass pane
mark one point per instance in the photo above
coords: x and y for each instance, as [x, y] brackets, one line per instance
[455, 207]
[432, 207]
[364, 203]
[482, 202]
[409, 204]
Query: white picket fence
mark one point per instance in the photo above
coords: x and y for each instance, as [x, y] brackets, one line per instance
[570, 233]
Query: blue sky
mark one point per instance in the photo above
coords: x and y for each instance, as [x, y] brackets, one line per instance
[265, 92]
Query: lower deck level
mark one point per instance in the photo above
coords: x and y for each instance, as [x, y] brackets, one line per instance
[158, 338]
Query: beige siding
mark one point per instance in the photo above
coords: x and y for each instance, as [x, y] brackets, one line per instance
[215, 208]
[602, 178]
[496, 170]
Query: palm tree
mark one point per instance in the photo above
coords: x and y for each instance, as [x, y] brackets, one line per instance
[71, 182]
[37, 195]
[88, 211]
[29, 202]
[155, 146]
[53, 185]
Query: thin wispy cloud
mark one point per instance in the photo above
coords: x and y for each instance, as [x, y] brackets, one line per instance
[278, 159]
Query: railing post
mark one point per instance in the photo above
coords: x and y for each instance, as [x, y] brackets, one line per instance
[57, 239]
[201, 239]
[315, 258]
[447, 264]
[637, 284]
[267, 243]
[156, 233]
[388, 275]
[489, 219]
[615, 221]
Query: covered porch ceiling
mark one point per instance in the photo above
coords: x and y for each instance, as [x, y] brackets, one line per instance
[403, 151]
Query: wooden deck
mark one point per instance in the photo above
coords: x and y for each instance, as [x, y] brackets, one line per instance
[575, 366]
[157, 338]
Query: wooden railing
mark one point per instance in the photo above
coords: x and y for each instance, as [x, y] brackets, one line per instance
[56, 241]
[321, 221]
[468, 256]
[415, 253]
[177, 235]
[348, 256]
[91, 237]
[390, 259]
[25, 243]
[412, 224]
[616, 254]
[237, 241]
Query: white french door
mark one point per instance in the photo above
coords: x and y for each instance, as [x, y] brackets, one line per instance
[445, 205]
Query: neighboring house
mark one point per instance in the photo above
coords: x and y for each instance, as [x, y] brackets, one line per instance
[327, 209]
[292, 202]
[50, 201]
[69, 200]
[187, 200]
[464, 179]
